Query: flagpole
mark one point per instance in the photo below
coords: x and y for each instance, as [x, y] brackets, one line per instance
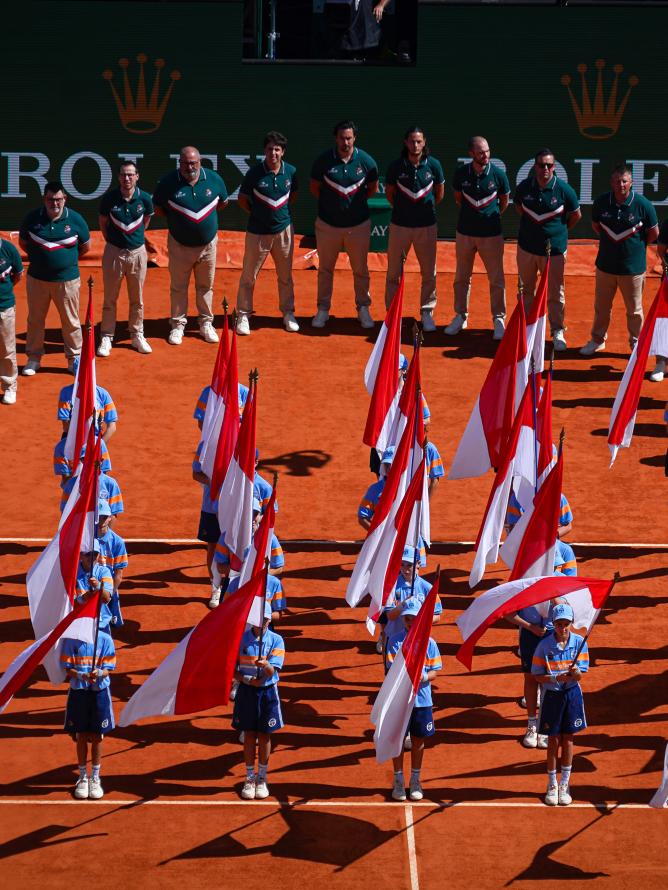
[97, 622]
[259, 670]
[417, 340]
[615, 579]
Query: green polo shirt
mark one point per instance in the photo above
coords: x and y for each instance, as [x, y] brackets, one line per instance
[10, 264]
[414, 204]
[546, 212]
[479, 214]
[343, 187]
[622, 241]
[269, 195]
[53, 244]
[191, 209]
[125, 228]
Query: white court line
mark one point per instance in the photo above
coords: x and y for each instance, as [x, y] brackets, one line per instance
[410, 842]
[327, 804]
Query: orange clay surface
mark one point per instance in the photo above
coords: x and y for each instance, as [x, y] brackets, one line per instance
[171, 815]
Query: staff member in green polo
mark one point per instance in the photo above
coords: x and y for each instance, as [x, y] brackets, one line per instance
[481, 193]
[125, 213]
[548, 207]
[11, 269]
[190, 198]
[414, 185]
[54, 237]
[342, 180]
[266, 193]
[625, 223]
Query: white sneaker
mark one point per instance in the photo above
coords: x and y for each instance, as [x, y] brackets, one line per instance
[499, 329]
[95, 789]
[30, 369]
[208, 332]
[565, 798]
[320, 319]
[530, 739]
[248, 791]
[552, 796]
[559, 341]
[398, 790]
[408, 742]
[261, 789]
[81, 788]
[428, 323]
[523, 702]
[364, 317]
[458, 323]
[9, 397]
[104, 349]
[176, 336]
[591, 347]
[541, 741]
[290, 322]
[660, 369]
[141, 344]
[233, 690]
[214, 602]
[243, 328]
[415, 790]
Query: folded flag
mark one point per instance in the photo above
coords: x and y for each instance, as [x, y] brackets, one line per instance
[217, 452]
[215, 404]
[83, 392]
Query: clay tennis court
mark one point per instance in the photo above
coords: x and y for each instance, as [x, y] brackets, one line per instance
[171, 814]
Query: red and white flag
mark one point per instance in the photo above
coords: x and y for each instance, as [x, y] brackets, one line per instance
[537, 326]
[235, 501]
[482, 444]
[21, 669]
[392, 709]
[51, 580]
[260, 552]
[586, 596]
[217, 452]
[410, 523]
[653, 340]
[381, 376]
[529, 548]
[535, 453]
[197, 675]
[215, 403]
[489, 536]
[83, 393]
[407, 403]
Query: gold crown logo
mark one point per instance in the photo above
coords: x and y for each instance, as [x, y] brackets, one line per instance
[600, 120]
[141, 114]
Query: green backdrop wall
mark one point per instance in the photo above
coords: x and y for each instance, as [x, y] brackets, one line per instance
[503, 72]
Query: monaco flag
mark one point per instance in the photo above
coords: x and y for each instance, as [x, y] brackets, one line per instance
[585, 595]
[215, 403]
[197, 675]
[491, 419]
[407, 399]
[381, 376]
[225, 427]
[20, 670]
[529, 548]
[392, 709]
[235, 501]
[260, 551]
[536, 327]
[535, 451]
[83, 392]
[653, 340]
[489, 536]
[51, 580]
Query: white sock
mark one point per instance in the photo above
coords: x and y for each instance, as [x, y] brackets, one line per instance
[82, 771]
[566, 774]
[96, 772]
[250, 771]
[532, 722]
[415, 775]
[399, 776]
[551, 777]
[262, 771]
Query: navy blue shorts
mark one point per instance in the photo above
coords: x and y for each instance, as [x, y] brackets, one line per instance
[257, 709]
[528, 645]
[89, 711]
[562, 713]
[421, 724]
[209, 530]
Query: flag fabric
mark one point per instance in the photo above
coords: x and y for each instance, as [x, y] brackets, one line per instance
[392, 709]
[260, 551]
[83, 393]
[220, 447]
[537, 326]
[489, 536]
[489, 425]
[406, 404]
[51, 579]
[197, 675]
[536, 454]
[408, 524]
[215, 403]
[660, 798]
[585, 595]
[235, 501]
[529, 548]
[653, 340]
[21, 669]
[381, 376]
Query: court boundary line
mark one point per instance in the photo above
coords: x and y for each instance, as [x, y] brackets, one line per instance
[410, 843]
[332, 804]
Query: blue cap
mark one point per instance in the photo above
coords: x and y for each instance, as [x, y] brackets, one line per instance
[408, 555]
[388, 455]
[267, 610]
[103, 508]
[403, 362]
[411, 607]
[562, 611]
[257, 506]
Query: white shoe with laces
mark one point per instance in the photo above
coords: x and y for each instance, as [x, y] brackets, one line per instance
[541, 741]
[552, 796]
[30, 368]
[398, 790]
[248, 791]
[530, 739]
[320, 319]
[565, 798]
[364, 317]
[261, 789]
[243, 327]
[499, 329]
[290, 322]
[214, 602]
[559, 341]
[659, 371]
[141, 344]
[415, 790]
[95, 790]
[81, 788]
[9, 397]
[104, 349]
[208, 332]
[175, 336]
[458, 323]
[591, 347]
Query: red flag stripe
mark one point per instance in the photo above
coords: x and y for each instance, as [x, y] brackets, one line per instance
[541, 531]
[387, 375]
[229, 430]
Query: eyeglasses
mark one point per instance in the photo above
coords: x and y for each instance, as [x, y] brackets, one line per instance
[55, 200]
[544, 165]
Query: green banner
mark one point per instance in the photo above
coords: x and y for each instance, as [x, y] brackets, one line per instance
[93, 83]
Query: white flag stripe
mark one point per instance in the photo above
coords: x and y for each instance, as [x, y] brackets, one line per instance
[157, 695]
[471, 458]
[488, 548]
[659, 345]
[235, 509]
[487, 603]
[371, 370]
[584, 610]
[660, 799]
[392, 709]
[393, 426]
